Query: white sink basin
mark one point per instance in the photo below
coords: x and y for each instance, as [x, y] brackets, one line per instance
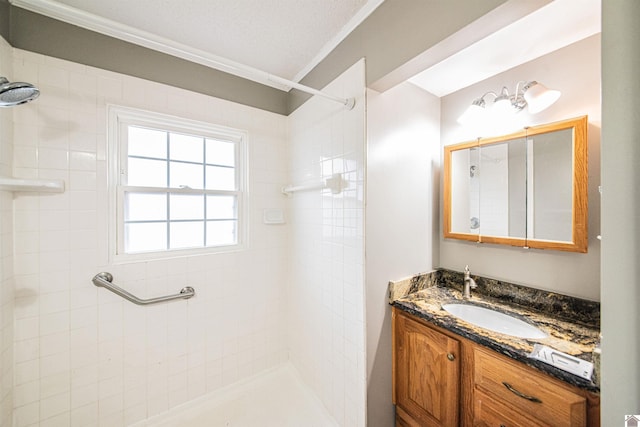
[494, 321]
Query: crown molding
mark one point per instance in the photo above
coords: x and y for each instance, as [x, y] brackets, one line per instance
[158, 43]
[152, 41]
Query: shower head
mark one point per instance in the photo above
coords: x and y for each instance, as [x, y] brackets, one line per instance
[16, 93]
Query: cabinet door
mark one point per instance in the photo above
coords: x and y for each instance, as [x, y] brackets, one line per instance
[426, 373]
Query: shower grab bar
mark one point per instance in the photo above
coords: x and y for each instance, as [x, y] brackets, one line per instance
[335, 184]
[104, 279]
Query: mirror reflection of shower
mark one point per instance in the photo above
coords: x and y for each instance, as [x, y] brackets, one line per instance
[474, 189]
[16, 93]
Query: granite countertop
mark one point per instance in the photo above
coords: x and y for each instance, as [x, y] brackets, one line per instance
[571, 325]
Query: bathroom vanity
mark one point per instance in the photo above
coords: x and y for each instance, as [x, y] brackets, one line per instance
[449, 372]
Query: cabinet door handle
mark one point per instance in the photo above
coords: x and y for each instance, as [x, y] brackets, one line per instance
[520, 394]
[451, 357]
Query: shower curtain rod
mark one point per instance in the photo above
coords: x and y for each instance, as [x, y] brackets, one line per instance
[348, 103]
[143, 38]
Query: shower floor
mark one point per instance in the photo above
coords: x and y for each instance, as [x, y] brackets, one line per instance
[277, 398]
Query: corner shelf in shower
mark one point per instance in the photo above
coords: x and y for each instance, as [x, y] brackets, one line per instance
[33, 185]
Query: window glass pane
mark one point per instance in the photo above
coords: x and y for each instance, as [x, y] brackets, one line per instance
[187, 234]
[221, 233]
[221, 178]
[145, 237]
[147, 142]
[145, 207]
[185, 174]
[221, 207]
[185, 147]
[154, 163]
[186, 206]
[221, 153]
[147, 173]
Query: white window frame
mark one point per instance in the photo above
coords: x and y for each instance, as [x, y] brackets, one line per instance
[118, 119]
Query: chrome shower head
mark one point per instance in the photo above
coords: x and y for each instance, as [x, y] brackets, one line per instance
[16, 93]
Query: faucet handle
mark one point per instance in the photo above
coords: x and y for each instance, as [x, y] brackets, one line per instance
[466, 269]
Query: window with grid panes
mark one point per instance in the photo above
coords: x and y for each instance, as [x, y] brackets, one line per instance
[180, 184]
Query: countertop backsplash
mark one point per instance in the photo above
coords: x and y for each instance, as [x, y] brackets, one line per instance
[566, 307]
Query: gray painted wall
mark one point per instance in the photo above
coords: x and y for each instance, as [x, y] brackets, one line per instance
[37, 33]
[620, 211]
[394, 33]
[397, 31]
[575, 71]
[4, 19]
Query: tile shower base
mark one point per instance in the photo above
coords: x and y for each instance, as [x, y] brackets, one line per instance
[275, 398]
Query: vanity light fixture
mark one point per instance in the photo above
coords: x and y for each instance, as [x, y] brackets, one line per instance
[532, 94]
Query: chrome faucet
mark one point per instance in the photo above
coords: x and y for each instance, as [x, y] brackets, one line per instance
[469, 284]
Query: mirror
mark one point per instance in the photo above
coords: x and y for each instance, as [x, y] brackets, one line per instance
[525, 189]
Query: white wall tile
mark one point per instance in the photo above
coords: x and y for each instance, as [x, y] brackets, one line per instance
[54, 302]
[93, 351]
[27, 371]
[53, 220]
[54, 385]
[82, 181]
[83, 83]
[27, 349]
[327, 260]
[82, 160]
[60, 420]
[27, 116]
[84, 395]
[53, 76]
[83, 142]
[25, 329]
[26, 393]
[54, 405]
[110, 88]
[85, 416]
[26, 242]
[27, 415]
[54, 364]
[25, 157]
[52, 240]
[54, 332]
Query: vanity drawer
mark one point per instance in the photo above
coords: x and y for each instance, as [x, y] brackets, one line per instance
[490, 413]
[527, 391]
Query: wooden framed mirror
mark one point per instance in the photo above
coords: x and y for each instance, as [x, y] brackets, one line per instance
[526, 189]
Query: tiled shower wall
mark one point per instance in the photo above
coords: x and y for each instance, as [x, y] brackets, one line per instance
[326, 291]
[6, 251]
[84, 356]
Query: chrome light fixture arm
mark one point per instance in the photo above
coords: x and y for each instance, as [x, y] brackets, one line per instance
[527, 94]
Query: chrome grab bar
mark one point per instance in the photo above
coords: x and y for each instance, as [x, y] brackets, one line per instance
[104, 280]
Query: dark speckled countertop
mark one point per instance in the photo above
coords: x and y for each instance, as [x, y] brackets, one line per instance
[572, 325]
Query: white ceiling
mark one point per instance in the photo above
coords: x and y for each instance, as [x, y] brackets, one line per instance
[284, 38]
[551, 27]
[261, 39]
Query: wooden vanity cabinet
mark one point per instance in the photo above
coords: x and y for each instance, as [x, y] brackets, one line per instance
[441, 379]
[527, 394]
[426, 375]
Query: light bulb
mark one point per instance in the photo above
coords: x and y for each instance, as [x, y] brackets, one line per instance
[538, 97]
[475, 113]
